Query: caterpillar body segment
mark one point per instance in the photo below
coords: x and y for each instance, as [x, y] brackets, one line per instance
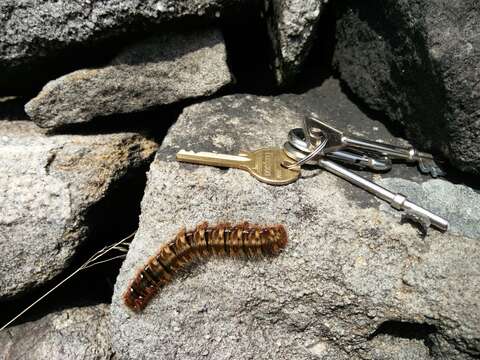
[241, 240]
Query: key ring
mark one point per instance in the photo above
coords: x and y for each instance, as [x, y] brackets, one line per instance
[310, 156]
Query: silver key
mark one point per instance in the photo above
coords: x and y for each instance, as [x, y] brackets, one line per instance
[336, 140]
[297, 139]
[396, 200]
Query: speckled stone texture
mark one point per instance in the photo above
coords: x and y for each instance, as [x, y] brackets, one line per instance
[49, 183]
[78, 333]
[160, 70]
[417, 61]
[352, 283]
[292, 26]
[31, 29]
[386, 347]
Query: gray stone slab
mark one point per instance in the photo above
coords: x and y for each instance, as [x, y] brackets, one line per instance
[346, 271]
[163, 69]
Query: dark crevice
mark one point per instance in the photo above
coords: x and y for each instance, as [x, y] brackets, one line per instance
[249, 51]
[110, 220]
[404, 329]
[407, 330]
[318, 64]
[12, 108]
[457, 177]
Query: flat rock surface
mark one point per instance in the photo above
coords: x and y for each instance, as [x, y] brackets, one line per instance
[417, 61]
[49, 183]
[353, 282]
[388, 347]
[78, 333]
[160, 70]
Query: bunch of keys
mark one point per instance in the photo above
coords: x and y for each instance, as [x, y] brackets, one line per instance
[319, 144]
[355, 151]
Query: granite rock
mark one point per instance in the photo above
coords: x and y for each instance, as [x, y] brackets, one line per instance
[78, 333]
[31, 30]
[417, 61]
[49, 184]
[349, 283]
[160, 70]
[292, 25]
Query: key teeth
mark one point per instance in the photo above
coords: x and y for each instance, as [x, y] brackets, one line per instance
[430, 168]
[182, 151]
[423, 222]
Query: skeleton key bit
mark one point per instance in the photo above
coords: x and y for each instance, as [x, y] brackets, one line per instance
[397, 201]
[264, 164]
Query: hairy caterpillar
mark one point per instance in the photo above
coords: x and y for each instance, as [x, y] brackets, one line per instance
[247, 240]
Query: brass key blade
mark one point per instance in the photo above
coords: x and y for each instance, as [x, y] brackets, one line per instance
[264, 164]
[214, 159]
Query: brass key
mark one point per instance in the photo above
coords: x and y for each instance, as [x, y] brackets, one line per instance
[264, 164]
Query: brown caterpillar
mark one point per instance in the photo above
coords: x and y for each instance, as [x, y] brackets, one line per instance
[246, 240]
